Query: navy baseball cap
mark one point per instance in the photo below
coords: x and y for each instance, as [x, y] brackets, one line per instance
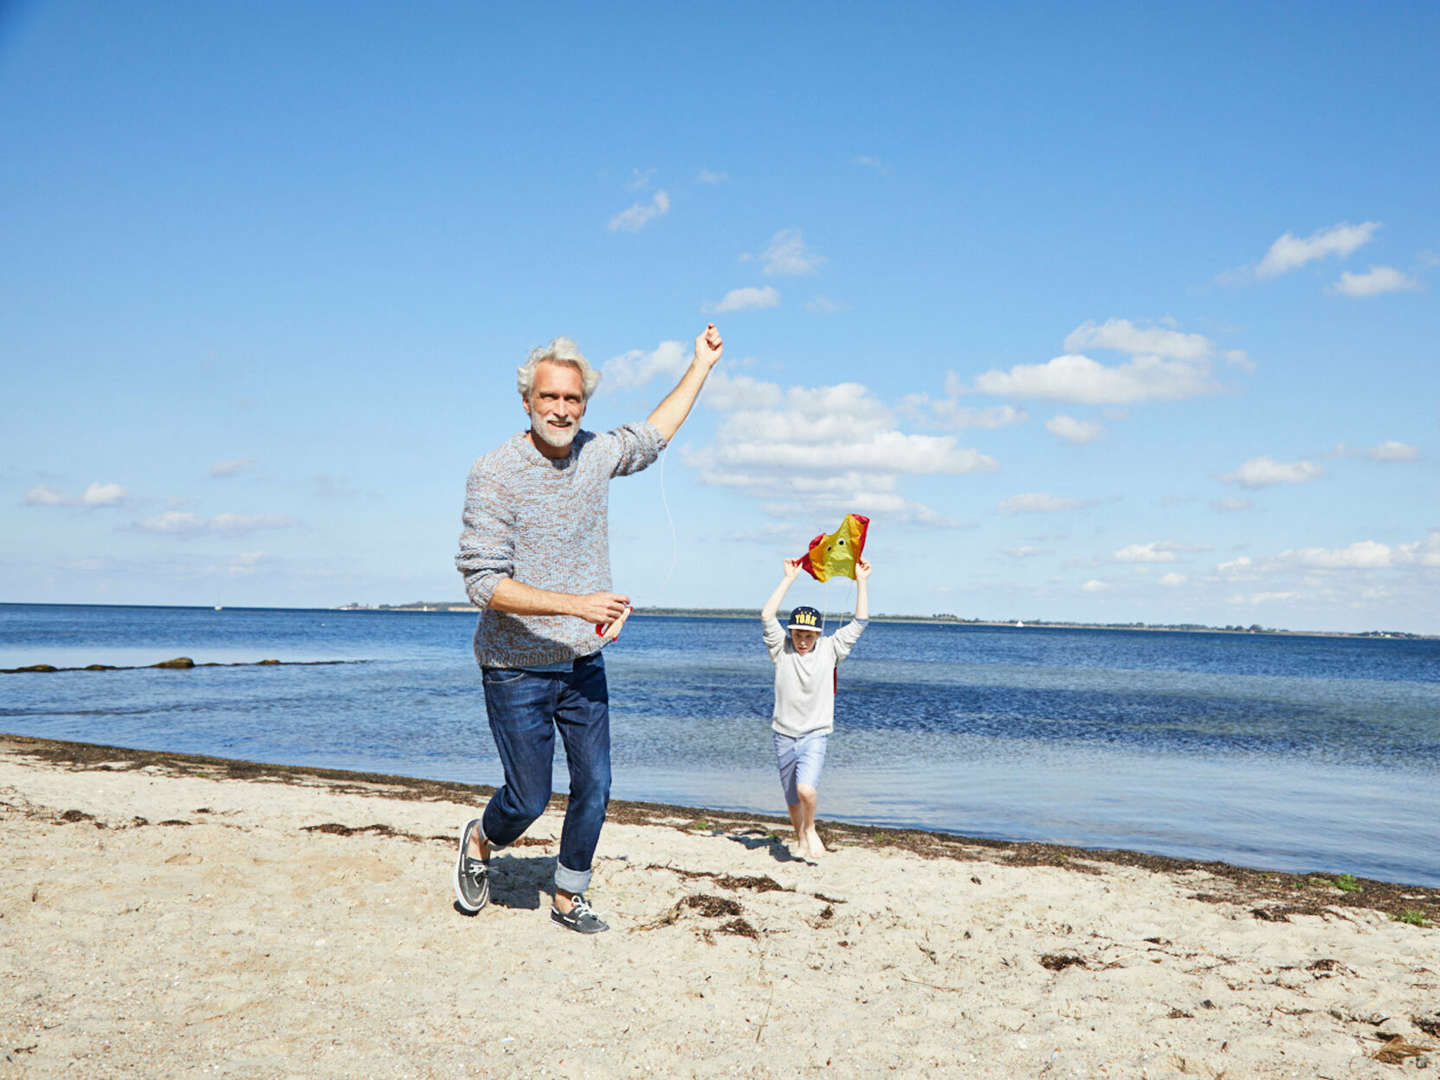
[804, 618]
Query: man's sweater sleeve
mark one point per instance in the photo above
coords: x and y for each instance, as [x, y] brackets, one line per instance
[636, 446]
[487, 549]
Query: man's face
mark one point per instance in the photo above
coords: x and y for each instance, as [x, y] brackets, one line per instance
[556, 403]
[804, 640]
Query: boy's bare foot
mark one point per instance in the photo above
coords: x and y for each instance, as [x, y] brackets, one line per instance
[816, 846]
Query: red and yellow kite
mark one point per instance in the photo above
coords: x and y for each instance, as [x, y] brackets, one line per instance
[834, 555]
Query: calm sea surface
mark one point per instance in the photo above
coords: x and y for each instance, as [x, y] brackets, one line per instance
[1294, 753]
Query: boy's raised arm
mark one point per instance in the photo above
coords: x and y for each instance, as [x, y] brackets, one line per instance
[862, 598]
[772, 606]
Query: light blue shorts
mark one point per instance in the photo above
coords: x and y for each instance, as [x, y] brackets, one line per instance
[800, 761]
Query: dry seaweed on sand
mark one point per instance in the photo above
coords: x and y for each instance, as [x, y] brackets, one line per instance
[713, 907]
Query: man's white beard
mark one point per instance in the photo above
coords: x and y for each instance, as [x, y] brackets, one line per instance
[558, 440]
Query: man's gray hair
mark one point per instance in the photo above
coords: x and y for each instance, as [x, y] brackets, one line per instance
[560, 351]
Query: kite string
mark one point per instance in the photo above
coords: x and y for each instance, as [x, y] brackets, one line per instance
[674, 540]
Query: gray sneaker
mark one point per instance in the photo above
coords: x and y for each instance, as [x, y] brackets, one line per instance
[580, 918]
[472, 875]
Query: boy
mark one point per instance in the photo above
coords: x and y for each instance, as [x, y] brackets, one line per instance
[804, 712]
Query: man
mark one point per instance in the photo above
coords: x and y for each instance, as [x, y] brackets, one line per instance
[535, 553]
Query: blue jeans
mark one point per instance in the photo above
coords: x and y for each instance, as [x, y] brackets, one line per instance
[525, 708]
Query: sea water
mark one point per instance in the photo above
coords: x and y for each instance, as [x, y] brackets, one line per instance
[1301, 753]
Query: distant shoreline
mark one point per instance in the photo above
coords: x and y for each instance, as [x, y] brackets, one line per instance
[944, 620]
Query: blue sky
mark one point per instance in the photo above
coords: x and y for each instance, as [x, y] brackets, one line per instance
[1114, 314]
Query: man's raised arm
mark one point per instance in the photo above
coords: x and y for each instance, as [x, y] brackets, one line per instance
[671, 413]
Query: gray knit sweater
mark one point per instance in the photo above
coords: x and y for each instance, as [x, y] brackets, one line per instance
[546, 524]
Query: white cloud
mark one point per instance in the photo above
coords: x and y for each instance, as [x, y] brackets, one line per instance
[731, 393]
[856, 492]
[1172, 580]
[1124, 336]
[1265, 472]
[1374, 282]
[829, 447]
[1291, 252]
[873, 163]
[1385, 453]
[947, 412]
[1363, 554]
[1424, 552]
[637, 367]
[1084, 381]
[1339, 575]
[45, 495]
[890, 451]
[894, 507]
[98, 494]
[185, 523]
[750, 298]
[230, 468]
[641, 214]
[235, 524]
[709, 176]
[1232, 504]
[1025, 551]
[172, 521]
[787, 255]
[823, 305]
[1153, 552]
[1368, 555]
[1393, 451]
[1095, 585]
[1038, 502]
[1074, 431]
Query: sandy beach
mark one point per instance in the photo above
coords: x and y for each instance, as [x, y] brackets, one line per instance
[173, 916]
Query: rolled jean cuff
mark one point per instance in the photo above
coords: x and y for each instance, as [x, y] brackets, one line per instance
[491, 844]
[571, 881]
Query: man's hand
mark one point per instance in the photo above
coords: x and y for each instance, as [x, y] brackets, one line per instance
[792, 569]
[611, 632]
[601, 608]
[708, 347]
[862, 569]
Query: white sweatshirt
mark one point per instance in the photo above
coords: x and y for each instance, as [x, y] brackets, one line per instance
[805, 683]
